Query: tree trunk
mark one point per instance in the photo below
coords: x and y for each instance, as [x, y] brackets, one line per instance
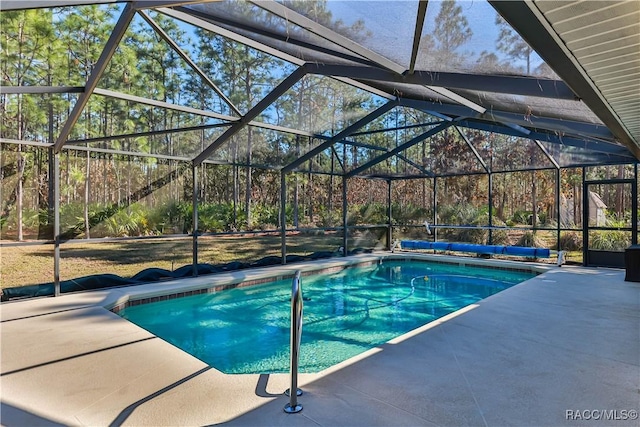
[247, 196]
[203, 171]
[20, 159]
[606, 197]
[236, 184]
[226, 186]
[310, 192]
[620, 194]
[574, 190]
[330, 201]
[534, 201]
[503, 199]
[48, 232]
[577, 203]
[67, 181]
[118, 177]
[20, 191]
[105, 179]
[87, 178]
[296, 190]
[86, 198]
[128, 190]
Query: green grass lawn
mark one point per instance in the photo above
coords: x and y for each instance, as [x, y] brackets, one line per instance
[26, 265]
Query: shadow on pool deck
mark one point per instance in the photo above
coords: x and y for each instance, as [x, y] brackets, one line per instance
[568, 340]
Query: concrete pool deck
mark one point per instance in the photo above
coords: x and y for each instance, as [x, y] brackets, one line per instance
[556, 350]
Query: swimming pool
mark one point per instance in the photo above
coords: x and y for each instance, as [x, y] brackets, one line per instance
[246, 329]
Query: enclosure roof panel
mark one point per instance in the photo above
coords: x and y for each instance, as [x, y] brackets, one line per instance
[594, 46]
[370, 44]
[381, 27]
[563, 73]
[35, 4]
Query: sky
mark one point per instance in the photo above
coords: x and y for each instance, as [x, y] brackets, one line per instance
[393, 22]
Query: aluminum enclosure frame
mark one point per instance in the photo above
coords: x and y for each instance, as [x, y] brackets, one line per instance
[373, 72]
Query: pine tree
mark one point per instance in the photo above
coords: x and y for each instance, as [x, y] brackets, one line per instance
[450, 33]
[85, 31]
[24, 37]
[246, 76]
[510, 43]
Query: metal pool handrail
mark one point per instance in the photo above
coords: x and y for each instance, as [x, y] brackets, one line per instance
[296, 333]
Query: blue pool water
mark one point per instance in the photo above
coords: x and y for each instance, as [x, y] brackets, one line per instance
[246, 330]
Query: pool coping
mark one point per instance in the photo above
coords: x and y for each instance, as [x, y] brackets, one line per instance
[183, 287]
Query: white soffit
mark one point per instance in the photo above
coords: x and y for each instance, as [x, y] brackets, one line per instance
[604, 38]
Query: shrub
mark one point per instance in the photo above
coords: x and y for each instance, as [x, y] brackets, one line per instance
[368, 213]
[326, 218]
[523, 217]
[265, 216]
[570, 241]
[499, 237]
[374, 213]
[465, 214]
[409, 214]
[609, 240]
[177, 217]
[520, 217]
[543, 217]
[460, 214]
[478, 236]
[530, 239]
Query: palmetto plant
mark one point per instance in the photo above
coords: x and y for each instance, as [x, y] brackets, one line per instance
[530, 239]
[570, 241]
[612, 240]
